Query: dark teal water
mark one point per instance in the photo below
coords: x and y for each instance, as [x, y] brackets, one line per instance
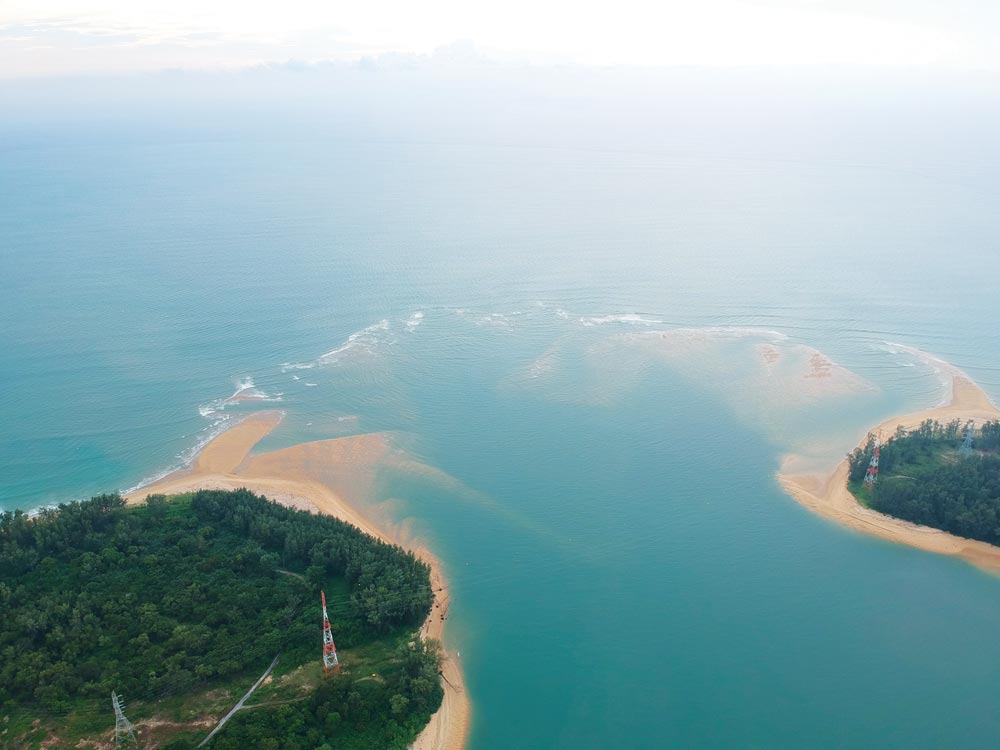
[626, 571]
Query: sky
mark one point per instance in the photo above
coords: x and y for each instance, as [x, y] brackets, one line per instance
[69, 37]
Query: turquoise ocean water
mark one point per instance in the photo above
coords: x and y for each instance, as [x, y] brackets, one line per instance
[583, 336]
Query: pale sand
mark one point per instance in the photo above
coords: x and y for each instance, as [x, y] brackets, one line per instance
[319, 476]
[830, 497]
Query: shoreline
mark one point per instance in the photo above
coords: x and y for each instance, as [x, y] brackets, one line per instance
[828, 496]
[291, 477]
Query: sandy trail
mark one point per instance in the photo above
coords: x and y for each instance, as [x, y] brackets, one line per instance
[829, 496]
[318, 476]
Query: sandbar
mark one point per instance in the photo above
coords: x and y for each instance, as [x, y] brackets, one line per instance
[318, 476]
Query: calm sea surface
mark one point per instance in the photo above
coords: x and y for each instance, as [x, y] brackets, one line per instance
[581, 337]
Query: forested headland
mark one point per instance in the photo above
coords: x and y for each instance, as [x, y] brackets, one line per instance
[181, 603]
[941, 475]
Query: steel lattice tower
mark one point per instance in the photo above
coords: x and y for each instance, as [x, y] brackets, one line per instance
[872, 473]
[966, 450]
[330, 662]
[124, 731]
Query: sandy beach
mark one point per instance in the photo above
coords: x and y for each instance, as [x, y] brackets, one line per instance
[829, 496]
[323, 476]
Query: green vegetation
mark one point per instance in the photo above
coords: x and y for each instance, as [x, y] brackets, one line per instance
[182, 603]
[381, 709]
[926, 476]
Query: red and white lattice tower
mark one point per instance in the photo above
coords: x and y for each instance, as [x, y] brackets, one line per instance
[872, 474]
[330, 662]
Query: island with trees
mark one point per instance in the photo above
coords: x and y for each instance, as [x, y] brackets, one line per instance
[180, 604]
[944, 475]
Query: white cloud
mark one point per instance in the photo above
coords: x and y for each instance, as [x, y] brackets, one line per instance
[45, 36]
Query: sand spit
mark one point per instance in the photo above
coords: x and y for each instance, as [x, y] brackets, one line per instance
[324, 476]
[229, 449]
[829, 496]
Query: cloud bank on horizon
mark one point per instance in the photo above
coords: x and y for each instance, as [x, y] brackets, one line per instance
[58, 37]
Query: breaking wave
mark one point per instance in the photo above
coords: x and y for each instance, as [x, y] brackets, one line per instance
[186, 457]
[366, 340]
[246, 391]
[626, 318]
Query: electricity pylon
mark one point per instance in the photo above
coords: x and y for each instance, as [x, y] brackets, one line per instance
[330, 662]
[124, 731]
[872, 473]
[966, 450]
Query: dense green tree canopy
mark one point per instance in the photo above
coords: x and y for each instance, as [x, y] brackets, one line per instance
[926, 477]
[169, 597]
[359, 714]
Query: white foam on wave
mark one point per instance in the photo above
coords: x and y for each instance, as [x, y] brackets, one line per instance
[626, 318]
[211, 408]
[246, 384]
[204, 438]
[186, 457]
[246, 391]
[367, 339]
[414, 320]
[693, 332]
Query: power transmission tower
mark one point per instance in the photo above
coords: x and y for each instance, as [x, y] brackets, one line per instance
[124, 731]
[330, 662]
[872, 473]
[966, 450]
